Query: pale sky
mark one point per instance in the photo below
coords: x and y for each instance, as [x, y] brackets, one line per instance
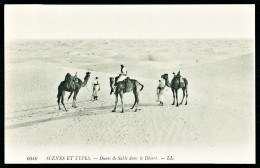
[129, 21]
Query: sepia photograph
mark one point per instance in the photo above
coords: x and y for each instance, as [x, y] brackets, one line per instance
[129, 84]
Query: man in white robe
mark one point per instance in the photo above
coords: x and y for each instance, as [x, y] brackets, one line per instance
[160, 91]
[123, 74]
[96, 88]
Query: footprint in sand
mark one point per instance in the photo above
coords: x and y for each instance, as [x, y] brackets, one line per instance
[77, 119]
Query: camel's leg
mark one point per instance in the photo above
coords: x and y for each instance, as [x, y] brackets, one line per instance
[134, 104]
[176, 92]
[183, 91]
[62, 100]
[173, 103]
[137, 100]
[158, 95]
[115, 102]
[122, 101]
[70, 95]
[75, 95]
[59, 101]
[186, 96]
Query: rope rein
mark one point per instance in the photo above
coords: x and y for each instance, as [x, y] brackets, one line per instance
[87, 88]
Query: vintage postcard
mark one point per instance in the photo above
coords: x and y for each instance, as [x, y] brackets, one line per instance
[129, 84]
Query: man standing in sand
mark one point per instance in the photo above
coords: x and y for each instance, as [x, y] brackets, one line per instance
[160, 91]
[96, 89]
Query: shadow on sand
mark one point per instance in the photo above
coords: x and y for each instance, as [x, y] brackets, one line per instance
[84, 112]
[38, 108]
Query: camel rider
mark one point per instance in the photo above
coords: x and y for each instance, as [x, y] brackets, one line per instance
[123, 74]
[123, 70]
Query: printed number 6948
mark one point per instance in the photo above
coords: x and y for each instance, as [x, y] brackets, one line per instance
[31, 158]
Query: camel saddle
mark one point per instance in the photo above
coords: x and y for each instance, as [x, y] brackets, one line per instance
[71, 84]
[182, 84]
[181, 81]
[124, 82]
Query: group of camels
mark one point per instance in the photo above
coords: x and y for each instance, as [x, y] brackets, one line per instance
[73, 84]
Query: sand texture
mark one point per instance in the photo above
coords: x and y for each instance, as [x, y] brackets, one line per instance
[217, 125]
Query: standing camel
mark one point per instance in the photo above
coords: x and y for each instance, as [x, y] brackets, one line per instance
[175, 86]
[70, 86]
[125, 86]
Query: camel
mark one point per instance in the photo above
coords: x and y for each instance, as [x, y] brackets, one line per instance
[175, 86]
[69, 85]
[125, 86]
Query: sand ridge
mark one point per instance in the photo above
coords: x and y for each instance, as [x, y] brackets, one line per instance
[219, 114]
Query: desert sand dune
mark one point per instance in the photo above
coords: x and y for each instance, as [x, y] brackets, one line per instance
[219, 115]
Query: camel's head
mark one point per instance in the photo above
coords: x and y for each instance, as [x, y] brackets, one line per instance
[164, 76]
[112, 81]
[87, 76]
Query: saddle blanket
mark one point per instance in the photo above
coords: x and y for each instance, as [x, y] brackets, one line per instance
[181, 80]
[182, 84]
[121, 78]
